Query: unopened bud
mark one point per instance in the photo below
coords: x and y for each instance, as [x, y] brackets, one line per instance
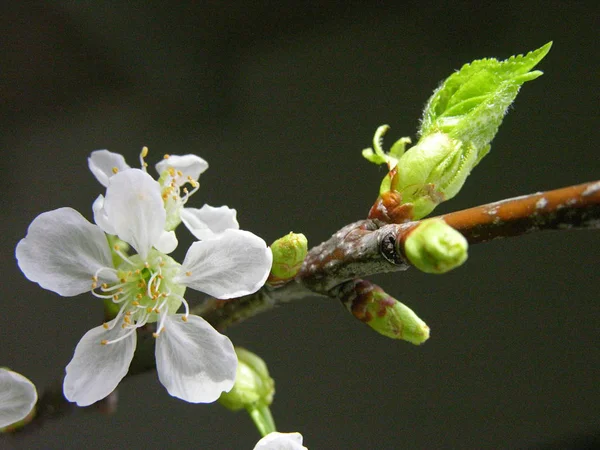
[288, 254]
[253, 385]
[383, 313]
[435, 247]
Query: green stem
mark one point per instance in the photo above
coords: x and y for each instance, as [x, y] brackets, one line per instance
[262, 418]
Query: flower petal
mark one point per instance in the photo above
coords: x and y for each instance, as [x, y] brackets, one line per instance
[100, 216]
[280, 441]
[135, 209]
[194, 361]
[102, 164]
[233, 264]
[189, 166]
[206, 222]
[167, 242]
[17, 397]
[62, 251]
[96, 369]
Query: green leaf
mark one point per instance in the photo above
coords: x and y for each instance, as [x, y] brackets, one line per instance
[470, 104]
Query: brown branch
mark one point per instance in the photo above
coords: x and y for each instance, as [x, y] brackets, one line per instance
[365, 248]
[573, 207]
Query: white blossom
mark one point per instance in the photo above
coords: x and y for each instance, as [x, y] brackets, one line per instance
[280, 441]
[66, 254]
[18, 397]
[176, 173]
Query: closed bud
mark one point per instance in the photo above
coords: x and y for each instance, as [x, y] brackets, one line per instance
[253, 385]
[288, 254]
[383, 313]
[433, 246]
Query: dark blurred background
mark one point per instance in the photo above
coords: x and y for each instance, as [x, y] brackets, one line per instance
[280, 98]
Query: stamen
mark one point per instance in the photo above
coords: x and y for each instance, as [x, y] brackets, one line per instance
[188, 274]
[185, 305]
[166, 156]
[115, 170]
[143, 154]
[105, 325]
[106, 342]
[122, 255]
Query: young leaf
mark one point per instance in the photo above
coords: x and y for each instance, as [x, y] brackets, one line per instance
[470, 104]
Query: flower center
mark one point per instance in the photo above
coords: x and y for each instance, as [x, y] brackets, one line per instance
[145, 292]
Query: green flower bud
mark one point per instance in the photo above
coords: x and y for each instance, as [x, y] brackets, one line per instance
[288, 254]
[433, 171]
[253, 391]
[435, 247]
[396, 320]
[383, 313]
[253, 385]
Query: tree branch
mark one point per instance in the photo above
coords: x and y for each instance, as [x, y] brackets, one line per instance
[361, 249]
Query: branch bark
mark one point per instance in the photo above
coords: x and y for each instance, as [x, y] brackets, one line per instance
[361, 249]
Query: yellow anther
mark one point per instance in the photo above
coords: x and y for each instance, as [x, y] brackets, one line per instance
[185, 190]
[123, 280]
[116, 247]
[174, 197]
[115, 297]
[139, 297]
[104, 285]
[103, 342]
[165, 196]
[124, 326]
[134, 303]
[189, 178]
[138, 271]
[94, 278]
[154, 335]
[160, 276]
[184, 318]
[120, 290]
[180, 173]
[194, 184]
[144, 152]
[149, 309]
[163, 295]
[105, 325]
[171, 171]
[166, 156]
[115, 170]
[94, 285]
[156, 310]
[127, 320]
[162, 264]
[128, 313]
[146, 265]
[188, 274]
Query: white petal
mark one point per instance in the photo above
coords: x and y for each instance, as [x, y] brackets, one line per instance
[194, 361]
[17, 397]
[102, 163]
[167, 242]
[96, 369]
[62, 251]
[135, 209]
[189, 166]
[233, 264]
[100, 216]
[280, 441]
[206, 222]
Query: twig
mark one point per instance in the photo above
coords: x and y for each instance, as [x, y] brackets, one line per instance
[361, 249]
